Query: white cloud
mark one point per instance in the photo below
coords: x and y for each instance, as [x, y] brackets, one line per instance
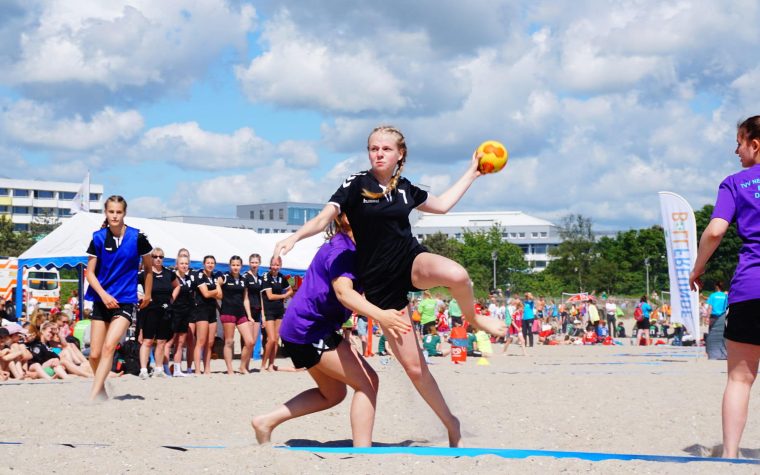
[34, 124]
[109, 47]
[190, 147]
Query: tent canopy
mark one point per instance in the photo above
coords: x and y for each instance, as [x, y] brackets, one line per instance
[67, 245]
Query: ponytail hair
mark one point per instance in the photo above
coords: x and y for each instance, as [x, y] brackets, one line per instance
[751, 127]
[338, 225]
[112, 199]
[401, 144]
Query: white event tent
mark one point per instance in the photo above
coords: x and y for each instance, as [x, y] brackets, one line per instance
[66, 246]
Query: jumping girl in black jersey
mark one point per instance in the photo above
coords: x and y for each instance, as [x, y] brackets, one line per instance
[233, 313]
[206, 294]
[252, 301]
[390, 261]
[275, 289]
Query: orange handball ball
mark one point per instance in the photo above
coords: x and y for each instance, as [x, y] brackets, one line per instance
[494, 156]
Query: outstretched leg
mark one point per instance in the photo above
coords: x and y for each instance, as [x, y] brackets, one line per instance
[431, 270]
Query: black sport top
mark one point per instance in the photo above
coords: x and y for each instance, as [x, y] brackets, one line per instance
[253, 283]
[232, 295]
[185, 300]
[381, 226]
[161, 293]
[279, 286]
[200, 278]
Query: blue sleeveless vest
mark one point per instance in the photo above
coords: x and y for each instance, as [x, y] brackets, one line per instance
[117, 267]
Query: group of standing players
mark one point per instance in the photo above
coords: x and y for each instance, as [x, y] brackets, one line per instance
[186, 307]
[370, 248]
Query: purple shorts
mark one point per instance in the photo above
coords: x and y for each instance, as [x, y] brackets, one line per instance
[233, 319]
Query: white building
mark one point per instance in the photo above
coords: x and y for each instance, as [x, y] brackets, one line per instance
[24, 200]
[533, 235]
[264, 218]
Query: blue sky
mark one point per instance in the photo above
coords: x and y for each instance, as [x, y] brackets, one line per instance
[194, 107]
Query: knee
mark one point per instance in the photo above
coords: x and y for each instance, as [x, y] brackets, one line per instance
[229, 343]
[108, 349]
[414, 370]
[458, 276]
[337, 396]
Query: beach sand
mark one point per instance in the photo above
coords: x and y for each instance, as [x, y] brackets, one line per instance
[621, 399]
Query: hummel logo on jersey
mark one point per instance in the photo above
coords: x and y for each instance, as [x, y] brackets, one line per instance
[371, 201]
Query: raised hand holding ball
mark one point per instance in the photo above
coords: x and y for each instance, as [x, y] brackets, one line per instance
[493, 156]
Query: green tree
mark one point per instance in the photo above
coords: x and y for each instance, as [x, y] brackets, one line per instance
[13, 243]
[723, 262]
[476, 255]
[574, 256]
[441, 244]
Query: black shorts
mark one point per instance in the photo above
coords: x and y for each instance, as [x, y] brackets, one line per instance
[256, 314]
[389, 290]
[204, 314]
[155, 323]
[743, 322]
[309, 354]
[180, 319]
[272, 314]
[643, 324]
[104, 314]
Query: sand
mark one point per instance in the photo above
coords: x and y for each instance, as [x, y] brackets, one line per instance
[625, 399]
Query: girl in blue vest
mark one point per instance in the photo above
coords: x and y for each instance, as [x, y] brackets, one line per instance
[112, 266]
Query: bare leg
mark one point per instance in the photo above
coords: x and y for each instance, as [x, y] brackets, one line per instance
[159, 353]
[335, 370]
[246, 331]
[201, 335]
[742, 370]
[98, 330]
[77, 370]
[406, 349]
[210, 338]
[178, 347]
[190, 344]
[229, 342]
[270, 347]
[145, 347]
[431, 270]
[116, 330]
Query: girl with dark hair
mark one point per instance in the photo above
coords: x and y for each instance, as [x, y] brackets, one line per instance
[233, 313]
[738, 203]
[390, 261]
[275, 289]
[114, 258]
[309, 334]
[206, 294]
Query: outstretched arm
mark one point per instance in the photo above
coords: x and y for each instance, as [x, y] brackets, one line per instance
[314, 226]
[393, 320]
[443, 203]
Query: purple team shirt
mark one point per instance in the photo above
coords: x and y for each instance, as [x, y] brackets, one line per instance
[315, 311]
[739, 200]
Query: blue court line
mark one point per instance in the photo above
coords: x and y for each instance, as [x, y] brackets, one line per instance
[11, 443]
[515, 454]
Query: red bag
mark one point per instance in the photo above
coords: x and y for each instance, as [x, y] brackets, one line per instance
[638, 314]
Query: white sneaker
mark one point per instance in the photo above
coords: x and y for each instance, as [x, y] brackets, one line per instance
[159, 373]
[144, 373]
[178, 373]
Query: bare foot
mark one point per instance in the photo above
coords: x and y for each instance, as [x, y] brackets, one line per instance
[101, 396]
[490, 325]
[243, 371]
[455, 435]
[116, 375]
[230, 372]
[262, 430]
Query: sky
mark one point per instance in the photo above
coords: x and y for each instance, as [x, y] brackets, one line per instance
[190, 108]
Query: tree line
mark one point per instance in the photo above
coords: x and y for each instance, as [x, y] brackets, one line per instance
[582, 263]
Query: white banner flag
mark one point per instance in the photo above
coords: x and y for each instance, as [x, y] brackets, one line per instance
[81, 201]
[681, 240]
